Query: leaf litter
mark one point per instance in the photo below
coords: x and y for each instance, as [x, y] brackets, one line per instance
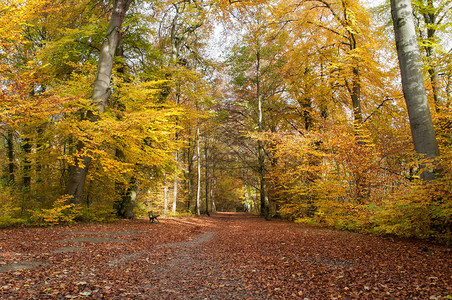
[226, 256]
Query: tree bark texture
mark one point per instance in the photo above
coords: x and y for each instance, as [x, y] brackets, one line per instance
[421, 124]
[101, 89]
[101, 92]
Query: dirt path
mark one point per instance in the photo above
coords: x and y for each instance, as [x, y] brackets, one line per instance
[227, 256]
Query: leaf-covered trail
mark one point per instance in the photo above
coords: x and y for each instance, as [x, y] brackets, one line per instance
[226, 256]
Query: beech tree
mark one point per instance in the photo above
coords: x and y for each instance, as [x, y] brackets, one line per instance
[421, 124]
[101, 93]
[431, 20]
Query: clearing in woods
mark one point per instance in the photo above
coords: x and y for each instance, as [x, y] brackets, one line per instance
[226, 256]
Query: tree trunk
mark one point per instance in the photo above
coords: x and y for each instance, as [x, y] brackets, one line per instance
[198, 154]
[430, 22]
[435, 87]
[413, 83]
[213, 184]
[130, 199]
[11, 165]
[39, 149]
[356, 95]
[212, 195]
[176, 183]
[27, 163]
[125, 206]
[101, 92]
[165, 195]
[206, 175]
[77, 177]
[247, 200]
[265, 203]
[190, 174]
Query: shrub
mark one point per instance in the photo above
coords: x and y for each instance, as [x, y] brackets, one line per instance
[60, 213]
[9, 211]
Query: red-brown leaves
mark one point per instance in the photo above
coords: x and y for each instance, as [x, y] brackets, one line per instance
[227, 256]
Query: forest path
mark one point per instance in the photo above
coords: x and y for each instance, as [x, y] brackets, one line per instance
[226, 256]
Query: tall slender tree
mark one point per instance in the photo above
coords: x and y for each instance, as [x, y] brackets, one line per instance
[431, 17]
[198, 165]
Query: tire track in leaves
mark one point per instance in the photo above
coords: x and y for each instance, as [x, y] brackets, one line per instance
[226, 256]
[189, 273]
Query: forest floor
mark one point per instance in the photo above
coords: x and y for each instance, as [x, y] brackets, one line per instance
[226, 256]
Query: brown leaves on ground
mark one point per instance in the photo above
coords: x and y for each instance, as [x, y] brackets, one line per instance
[227, 256]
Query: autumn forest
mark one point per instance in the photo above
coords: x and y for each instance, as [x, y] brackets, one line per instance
[334, 113]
